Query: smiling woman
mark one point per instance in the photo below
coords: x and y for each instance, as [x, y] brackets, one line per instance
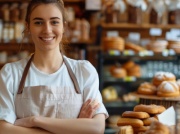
[48, 92]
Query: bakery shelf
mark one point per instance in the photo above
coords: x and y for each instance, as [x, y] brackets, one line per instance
[137, 26]
[118, 107]
[158, 56]
[16, 46]
[70, 1]
[113, 80]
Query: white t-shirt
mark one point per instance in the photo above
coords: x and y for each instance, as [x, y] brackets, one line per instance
[11, 73]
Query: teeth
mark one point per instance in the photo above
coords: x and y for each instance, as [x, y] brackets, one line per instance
[48, 39]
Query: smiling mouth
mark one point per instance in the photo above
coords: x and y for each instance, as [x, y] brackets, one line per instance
[47, 39]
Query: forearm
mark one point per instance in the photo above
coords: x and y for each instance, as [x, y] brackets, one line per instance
[7, 128]
[72, 126]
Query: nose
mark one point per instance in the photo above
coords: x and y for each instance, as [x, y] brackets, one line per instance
[47, 28]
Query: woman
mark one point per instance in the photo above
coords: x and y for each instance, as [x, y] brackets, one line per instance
[40, 94]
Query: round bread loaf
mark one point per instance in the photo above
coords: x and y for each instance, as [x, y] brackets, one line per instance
[159, 77]
[168, 89]
[118, 71]
[147, 88]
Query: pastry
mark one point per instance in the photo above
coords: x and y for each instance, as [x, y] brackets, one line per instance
[131, 46]
[163, 76]
[157, 128]
[148, 121]
[126, 130]
[130, 121]
[151, 109]
[139, 115]
[128, 65]
[134, 71]
[118, 71]
[168, 89]
[147, 88]
[140, 129]
[157, 46]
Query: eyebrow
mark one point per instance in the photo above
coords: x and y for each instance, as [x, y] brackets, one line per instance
[50, 18]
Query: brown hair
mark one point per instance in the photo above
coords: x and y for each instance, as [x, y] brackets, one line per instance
[59, 3]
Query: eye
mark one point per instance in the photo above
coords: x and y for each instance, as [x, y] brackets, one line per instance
[38, 23]
[55, 22]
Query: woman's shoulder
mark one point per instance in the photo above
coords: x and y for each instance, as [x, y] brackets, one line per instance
[80, 64]
[17, 65]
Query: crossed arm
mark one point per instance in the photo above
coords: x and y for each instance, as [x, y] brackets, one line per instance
[85, 124]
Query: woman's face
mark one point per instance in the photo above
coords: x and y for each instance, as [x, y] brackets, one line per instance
[46, 27]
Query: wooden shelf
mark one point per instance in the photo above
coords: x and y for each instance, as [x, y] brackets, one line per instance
[137, 26]
[16, 46]
[69, 1]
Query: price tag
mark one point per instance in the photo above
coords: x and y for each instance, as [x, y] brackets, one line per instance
[112, 34]
[134, 36]
[165, 52]
[93, 4]
[114, 52]
[129, 79]
[128, 52]
[172, 52]
[155, 32]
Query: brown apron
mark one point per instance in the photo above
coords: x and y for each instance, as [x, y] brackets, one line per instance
[47, 101]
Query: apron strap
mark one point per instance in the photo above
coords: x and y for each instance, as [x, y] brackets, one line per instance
[23, 78]
[73, 77]
[22, 82]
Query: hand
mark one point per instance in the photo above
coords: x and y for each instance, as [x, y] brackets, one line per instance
[88, 109]
[25, 122]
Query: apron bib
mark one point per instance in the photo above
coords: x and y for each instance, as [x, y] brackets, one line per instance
[47, 101]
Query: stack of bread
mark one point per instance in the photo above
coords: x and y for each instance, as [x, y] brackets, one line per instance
[132, 69]
[129, 68]
[141, 117]
[113, 43]
[157, 46]
[163, 84]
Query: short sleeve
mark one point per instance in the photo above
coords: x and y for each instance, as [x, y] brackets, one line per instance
[90, 85]
[7, 108]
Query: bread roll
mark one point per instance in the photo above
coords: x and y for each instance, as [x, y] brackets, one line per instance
[151, 109]
[159, 77]
[157, 128]
[147, 88]
[130, 121]
[168, 89]
[139, 115]
[148, 121]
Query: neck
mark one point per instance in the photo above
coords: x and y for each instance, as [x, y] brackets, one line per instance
[48, 62]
